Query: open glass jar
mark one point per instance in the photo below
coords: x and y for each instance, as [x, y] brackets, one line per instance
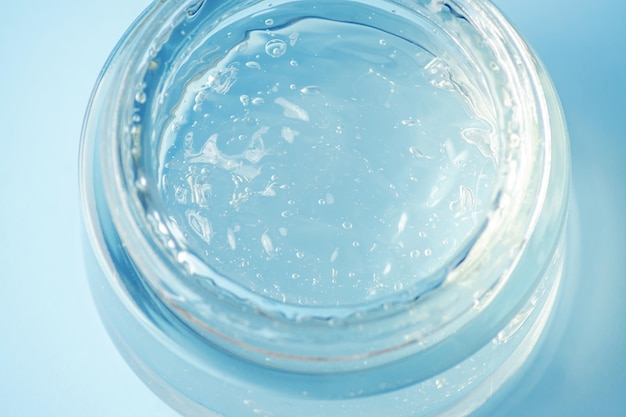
[324, 208]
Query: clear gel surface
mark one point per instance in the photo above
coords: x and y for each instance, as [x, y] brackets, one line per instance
[321, 162]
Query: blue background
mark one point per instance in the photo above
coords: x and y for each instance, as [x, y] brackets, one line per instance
[55, 357]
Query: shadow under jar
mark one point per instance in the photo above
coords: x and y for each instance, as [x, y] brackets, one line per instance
[324, 208]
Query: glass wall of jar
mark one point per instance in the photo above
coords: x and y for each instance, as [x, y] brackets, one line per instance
[324, 208]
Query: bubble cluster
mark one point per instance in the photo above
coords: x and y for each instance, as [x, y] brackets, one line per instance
[276, 48]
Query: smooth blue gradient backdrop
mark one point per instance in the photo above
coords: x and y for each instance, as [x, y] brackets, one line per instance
[55, 358]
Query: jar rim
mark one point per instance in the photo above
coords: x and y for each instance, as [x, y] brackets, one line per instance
[477, 277]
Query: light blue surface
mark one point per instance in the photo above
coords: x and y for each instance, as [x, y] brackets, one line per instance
[55, 358]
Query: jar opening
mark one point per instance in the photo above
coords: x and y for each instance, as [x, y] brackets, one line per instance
[346, 169]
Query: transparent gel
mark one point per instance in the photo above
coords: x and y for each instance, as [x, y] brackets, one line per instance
[314, 182]
[325, 208]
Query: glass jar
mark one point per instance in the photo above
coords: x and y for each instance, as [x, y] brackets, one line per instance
[324, 208]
